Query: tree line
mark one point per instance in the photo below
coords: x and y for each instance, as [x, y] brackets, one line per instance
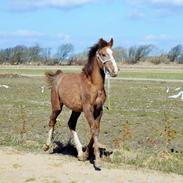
[64, 54]
[144, 53]
[21, 54]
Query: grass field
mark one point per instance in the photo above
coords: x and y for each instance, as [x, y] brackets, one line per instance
[142, 126]
[152, 72]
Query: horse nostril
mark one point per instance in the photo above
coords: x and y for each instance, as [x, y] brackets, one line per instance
[114, 74]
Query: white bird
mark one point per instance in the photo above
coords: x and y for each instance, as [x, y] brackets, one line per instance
[5, 86]
[42, 89]
[167, 89]
[180, 94]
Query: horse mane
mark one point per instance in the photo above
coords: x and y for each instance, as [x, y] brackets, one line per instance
[87, 69]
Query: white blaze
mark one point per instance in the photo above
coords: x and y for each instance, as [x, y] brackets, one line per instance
[109, 51]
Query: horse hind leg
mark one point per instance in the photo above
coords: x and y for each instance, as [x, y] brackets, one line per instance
[56, 110]
[72, 125]
[52, 123]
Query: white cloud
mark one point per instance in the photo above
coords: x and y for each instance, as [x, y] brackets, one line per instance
[156, 2]
[21, 33]
[155, 8]
[167, 2]
[32, 37]
[155, 38]
[136, 15]
[23, 5]
[159, 41]
[64, 37]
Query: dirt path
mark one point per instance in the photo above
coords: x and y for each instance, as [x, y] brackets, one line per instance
[16, 166]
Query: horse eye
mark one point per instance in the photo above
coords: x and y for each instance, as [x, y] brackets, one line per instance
[103, 55]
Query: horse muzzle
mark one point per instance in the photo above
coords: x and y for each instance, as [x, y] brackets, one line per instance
[114, 74]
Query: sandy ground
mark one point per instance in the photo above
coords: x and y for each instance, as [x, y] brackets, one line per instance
[18, 167]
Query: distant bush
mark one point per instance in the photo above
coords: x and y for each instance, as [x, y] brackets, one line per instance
[76, 61]
[180, 60]
[159, 59]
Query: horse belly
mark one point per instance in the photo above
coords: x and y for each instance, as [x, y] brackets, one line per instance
[72, 101]
[69, 92]
[75, 104]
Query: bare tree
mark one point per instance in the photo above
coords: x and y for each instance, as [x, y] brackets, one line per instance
[46, 54]
[64, 52]
[34, 53]
[19, 54]
[175, 53]
[135, 54]
[120, 54]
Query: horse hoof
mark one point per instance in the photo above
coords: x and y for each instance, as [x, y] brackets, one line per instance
[83, 156]
[46, 147]
[97, 165]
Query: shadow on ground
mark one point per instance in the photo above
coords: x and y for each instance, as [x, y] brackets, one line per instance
[69, 149]
[65, 149]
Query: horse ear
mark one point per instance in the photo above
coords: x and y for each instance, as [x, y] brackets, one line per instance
[101, 42]
[111, 42]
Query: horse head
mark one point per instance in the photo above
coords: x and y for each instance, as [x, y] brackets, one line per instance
[105, 57]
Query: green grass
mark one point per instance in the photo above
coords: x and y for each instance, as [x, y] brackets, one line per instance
[167, 162]
[37, 70]
[152, 75]
[25, 111]
[171, 74]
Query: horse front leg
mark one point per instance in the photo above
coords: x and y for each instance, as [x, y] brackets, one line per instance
[72, 125]
[97, 116]
[94, 123]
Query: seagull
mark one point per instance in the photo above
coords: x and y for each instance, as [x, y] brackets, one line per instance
[42, 89]
[5, 86]
[180, 94]
[167, 89]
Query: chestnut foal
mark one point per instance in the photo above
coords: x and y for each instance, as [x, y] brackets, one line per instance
[83, 92]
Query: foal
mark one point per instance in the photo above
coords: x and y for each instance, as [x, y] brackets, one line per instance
[83, 92]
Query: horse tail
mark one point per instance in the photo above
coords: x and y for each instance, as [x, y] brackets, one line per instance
[50, 76]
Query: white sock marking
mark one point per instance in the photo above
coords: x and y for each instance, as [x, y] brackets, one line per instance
[77, 142]
[50, 136]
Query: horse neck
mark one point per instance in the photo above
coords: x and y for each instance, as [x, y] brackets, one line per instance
[97, 76]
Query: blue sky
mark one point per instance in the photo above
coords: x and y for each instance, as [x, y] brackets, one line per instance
[51, 23]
